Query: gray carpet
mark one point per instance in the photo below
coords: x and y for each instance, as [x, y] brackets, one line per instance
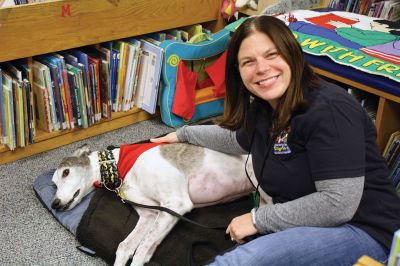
[29, 235]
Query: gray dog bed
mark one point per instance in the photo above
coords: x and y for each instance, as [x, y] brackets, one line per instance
[101, 221]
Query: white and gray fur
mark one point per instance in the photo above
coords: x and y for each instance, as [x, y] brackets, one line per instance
[177, 176]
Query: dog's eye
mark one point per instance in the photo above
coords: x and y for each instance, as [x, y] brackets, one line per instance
[65, 173]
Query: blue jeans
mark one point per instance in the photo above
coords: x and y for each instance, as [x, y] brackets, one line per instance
[307, 246]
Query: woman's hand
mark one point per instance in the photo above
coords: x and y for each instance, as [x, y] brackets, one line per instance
[240, 227]
[169, 138]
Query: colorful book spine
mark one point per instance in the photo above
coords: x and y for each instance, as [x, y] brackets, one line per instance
[395, 250]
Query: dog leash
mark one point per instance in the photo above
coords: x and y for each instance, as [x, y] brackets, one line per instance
[173, 213]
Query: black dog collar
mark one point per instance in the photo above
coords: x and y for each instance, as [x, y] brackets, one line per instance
[108, 170]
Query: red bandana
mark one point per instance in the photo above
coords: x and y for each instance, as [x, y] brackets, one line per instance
[128, 155]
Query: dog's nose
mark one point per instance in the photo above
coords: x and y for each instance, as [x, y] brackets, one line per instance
[56, 204]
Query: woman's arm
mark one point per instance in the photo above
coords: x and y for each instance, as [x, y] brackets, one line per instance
[212, 137]
[334, 203]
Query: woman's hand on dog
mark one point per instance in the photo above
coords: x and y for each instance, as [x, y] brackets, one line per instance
[241, 227]
[169, 138]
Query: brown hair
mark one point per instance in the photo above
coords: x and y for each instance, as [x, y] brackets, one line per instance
[238, 98]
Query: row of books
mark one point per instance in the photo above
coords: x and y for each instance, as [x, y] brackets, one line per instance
[392, 149]
[79, 87]
[388, 9]
[22, 2]
[392, 156]
[17, 124]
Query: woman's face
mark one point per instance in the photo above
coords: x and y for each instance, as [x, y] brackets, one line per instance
[263, 71]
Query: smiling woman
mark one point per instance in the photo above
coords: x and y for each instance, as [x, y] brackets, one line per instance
[313, 150]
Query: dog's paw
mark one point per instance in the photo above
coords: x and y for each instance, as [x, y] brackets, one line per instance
[137, 261]
[121, 258]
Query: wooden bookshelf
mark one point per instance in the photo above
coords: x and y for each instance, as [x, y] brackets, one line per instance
[34, 29]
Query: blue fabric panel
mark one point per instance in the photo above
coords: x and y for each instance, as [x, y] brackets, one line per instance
[375, 81]
[176, 51]
[45, 190]
[312, 29]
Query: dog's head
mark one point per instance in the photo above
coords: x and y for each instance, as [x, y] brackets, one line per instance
[73, 179]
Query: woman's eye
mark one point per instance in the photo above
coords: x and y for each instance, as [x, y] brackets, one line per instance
[246, 63]
[272, 55]
[65, 173]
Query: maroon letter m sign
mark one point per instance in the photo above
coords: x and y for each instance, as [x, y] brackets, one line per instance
[65, 10]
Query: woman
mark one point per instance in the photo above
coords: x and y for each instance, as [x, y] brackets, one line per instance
[313, 151]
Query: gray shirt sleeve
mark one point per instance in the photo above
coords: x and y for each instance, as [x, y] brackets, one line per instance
[334, 203]
[212, 137]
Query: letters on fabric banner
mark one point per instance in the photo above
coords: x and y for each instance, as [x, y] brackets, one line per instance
[320, 46]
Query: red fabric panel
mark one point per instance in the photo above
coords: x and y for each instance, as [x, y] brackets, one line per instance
[216, 72]
[184, 96]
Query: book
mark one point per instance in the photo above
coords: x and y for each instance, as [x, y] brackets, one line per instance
[129, 78]
[16, 88]
[94, 65]
[142, 77]
[152, 83]
[27, 76]
[103, 56]
[41, 99]
[114, 77]
[74, 99]
[85, 85]
[135, 71]
[8, 100]
[390, 143]
[77, 80]
[30, 112]
[56, 80]
[65, 92]
[122, 48]
[41, 76]
[105, 89]
[63, 84]
[18, 113]
[394, 153]
[396, 177]
[394, 249]
[83, 102]
[135, 45]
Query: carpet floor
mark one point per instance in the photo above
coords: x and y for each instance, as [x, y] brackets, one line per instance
[29, 235]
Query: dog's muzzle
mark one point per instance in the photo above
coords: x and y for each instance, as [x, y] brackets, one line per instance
[56, 204]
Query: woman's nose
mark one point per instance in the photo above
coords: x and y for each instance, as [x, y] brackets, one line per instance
[262, 66]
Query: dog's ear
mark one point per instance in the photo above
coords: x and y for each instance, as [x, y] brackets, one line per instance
[84, 150]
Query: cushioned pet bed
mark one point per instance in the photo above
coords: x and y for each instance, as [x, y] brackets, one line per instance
[101, 221]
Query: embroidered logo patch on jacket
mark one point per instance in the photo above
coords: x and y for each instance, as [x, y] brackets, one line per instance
[281, 146]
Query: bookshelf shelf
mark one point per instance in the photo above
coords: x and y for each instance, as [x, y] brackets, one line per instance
[34, 29]
[47, 141]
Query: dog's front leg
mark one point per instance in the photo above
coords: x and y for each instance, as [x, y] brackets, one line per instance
[165, 222]
[127, 247]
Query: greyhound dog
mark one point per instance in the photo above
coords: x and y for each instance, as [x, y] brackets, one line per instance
[177, 176]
